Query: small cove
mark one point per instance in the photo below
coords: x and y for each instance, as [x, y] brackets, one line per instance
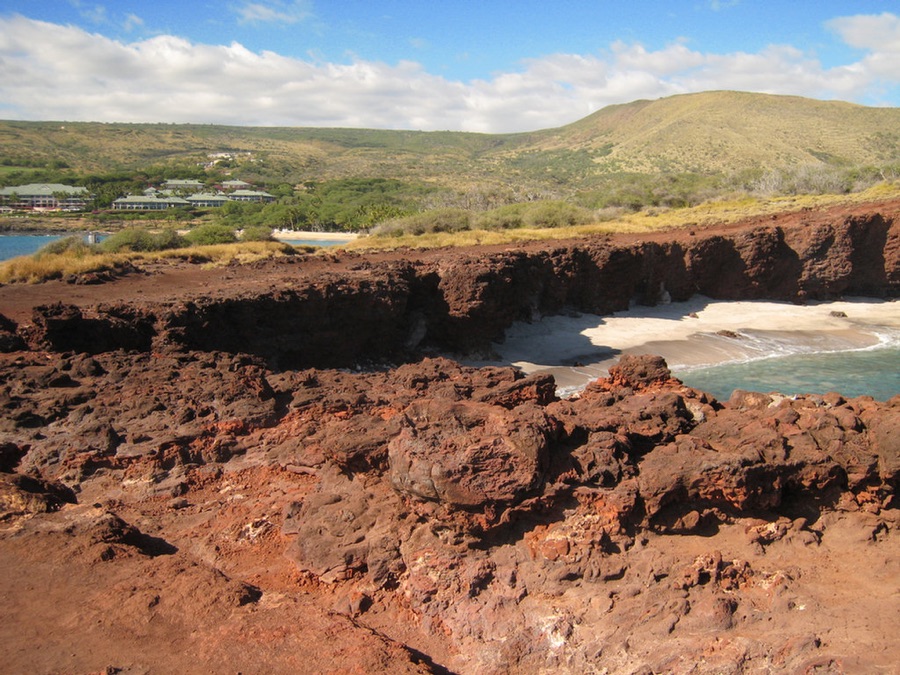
[851, 347]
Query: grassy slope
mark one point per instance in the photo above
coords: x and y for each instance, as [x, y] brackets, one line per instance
[707, 133]
[719, 131]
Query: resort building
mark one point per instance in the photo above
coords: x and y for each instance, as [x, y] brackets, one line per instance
[183, 185]
[251, 196]
[207, 199]
[235, 185]
[45, 197]
[148, 203]
[154, 199]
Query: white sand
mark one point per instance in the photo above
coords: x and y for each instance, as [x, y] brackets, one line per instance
[296, 235]
[578, 349]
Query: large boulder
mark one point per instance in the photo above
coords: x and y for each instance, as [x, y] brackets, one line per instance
[469, 455]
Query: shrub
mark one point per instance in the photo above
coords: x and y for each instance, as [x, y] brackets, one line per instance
[256, 233]
[555, 214]
[74, 245]
[169, 239]
[140, 239]
[506, 217]
[130, 239]
[427, 222]
[204, 235]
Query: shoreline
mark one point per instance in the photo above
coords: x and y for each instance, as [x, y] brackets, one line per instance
[695, 334]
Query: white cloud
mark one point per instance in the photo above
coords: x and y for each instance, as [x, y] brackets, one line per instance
[131, 22]
[54, 72]
[274, 11]
[92, 12]
[879, 35]
[867, 31]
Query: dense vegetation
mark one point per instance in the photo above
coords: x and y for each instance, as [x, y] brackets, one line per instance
[647, 155]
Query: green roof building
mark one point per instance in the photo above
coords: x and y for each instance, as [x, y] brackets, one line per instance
[46, 197]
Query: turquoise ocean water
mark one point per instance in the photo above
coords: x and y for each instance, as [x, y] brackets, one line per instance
[311, 242]
[871, 372]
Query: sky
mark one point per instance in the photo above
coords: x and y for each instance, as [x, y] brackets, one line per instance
[492, 66]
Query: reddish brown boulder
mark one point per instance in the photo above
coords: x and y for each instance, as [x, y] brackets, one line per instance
[639, 372]
[469, 455]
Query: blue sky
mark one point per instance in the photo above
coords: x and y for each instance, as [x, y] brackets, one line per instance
[492, 66]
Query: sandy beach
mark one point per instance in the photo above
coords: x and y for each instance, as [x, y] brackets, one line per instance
[303, 235]
[700, 332]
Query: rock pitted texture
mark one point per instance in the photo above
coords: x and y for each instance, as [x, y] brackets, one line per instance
[461, 513]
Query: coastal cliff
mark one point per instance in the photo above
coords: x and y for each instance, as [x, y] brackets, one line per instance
[386, 306]
[198, 462]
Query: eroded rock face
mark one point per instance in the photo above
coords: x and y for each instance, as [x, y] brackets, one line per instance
[460, 301]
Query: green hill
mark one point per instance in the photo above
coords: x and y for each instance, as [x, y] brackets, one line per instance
[712, 133]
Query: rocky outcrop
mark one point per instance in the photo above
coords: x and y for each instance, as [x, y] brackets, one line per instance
[637, 525]
[460, 301]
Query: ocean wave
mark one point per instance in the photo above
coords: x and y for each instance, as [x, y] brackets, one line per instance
[747, 346]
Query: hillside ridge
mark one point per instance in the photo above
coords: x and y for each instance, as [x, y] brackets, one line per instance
[704, 133]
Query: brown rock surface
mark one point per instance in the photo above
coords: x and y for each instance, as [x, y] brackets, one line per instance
[185, 485]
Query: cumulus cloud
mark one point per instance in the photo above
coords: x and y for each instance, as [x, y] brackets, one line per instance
[880, 36]
[54, 72]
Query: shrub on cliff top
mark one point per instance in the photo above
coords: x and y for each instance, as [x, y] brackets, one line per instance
[256, 233]
[205, 235]
[506, 217]
[138, 239]
[427, 222]
[555, 214]
[74, 245]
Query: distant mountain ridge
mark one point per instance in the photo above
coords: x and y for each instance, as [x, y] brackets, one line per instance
[707, 133]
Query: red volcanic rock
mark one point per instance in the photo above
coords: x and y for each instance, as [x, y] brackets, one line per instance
[685, 483]
[9, 340]
[469, 455]
[335, 312]
[639, 372]
[24, 495]
[347, 527]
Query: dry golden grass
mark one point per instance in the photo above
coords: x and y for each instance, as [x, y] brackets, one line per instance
[219, 254]
[41, 267]
[34, 269]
